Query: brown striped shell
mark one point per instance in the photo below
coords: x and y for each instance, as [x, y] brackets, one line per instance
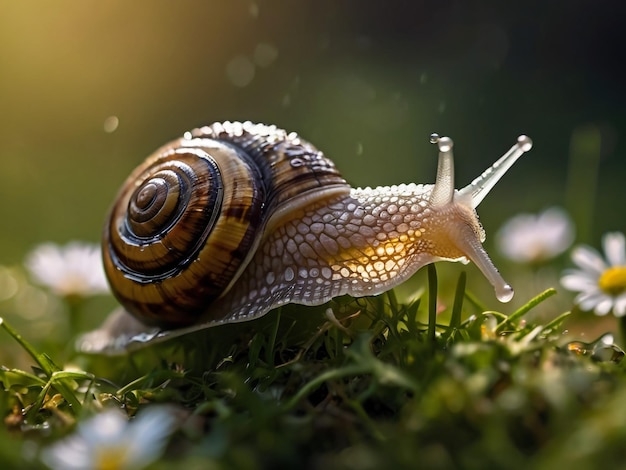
[187, 220]
[235, 219]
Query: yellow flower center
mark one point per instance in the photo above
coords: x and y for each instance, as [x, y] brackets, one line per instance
[111, 458]
[613, 280]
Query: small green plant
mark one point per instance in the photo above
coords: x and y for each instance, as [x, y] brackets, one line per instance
[359, 383]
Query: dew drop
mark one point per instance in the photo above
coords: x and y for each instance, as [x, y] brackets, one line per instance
[111, 124]
[264, 54]
[434, 138]
[359, 148]
[604, 350]
[253, 10]
[607, 353]
[504, 293]
[577, 347]
[8, 284]
[240, 71]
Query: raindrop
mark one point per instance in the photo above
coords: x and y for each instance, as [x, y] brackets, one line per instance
[111, 124]
[253, 9]
[505, 292]
[264, 54]
[604, 350]
[601, 350]
[607, 353]
[8, 284]
[359, 148]
[577, 347]
[240, 71]
[32, 302]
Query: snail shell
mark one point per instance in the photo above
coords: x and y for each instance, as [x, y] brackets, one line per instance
[190, 218]
[235, 219]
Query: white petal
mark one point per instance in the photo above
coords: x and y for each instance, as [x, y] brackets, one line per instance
[579, 281]
[531, 238]
[105, 428]
[604, 306]
[44, 262]
[588, 300]
[619, 309]
[614, 248]
[588, 259]
[149, 433]
[512, 238]
[557, 230]
[71, 453]
[73, 269]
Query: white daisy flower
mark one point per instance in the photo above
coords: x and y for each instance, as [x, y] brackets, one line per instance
[534, 238]
[71, 270]
[600, 282]
[108, 440]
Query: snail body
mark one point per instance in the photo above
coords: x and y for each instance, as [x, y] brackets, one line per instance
[235, 219]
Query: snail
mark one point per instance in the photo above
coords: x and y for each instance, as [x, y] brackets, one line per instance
[235, 219]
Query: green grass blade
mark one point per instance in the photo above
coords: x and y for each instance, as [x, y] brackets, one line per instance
[46, 365]
[556, 323]
[455, 319]
[532, 303]
[432, 301]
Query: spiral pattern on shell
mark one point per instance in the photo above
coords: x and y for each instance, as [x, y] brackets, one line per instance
[187, 221]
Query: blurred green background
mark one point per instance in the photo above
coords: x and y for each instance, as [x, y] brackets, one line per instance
[89, 89]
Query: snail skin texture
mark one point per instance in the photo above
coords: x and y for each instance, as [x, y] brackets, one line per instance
[235, 219]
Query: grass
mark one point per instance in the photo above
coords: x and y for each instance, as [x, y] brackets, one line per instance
[357, 383]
